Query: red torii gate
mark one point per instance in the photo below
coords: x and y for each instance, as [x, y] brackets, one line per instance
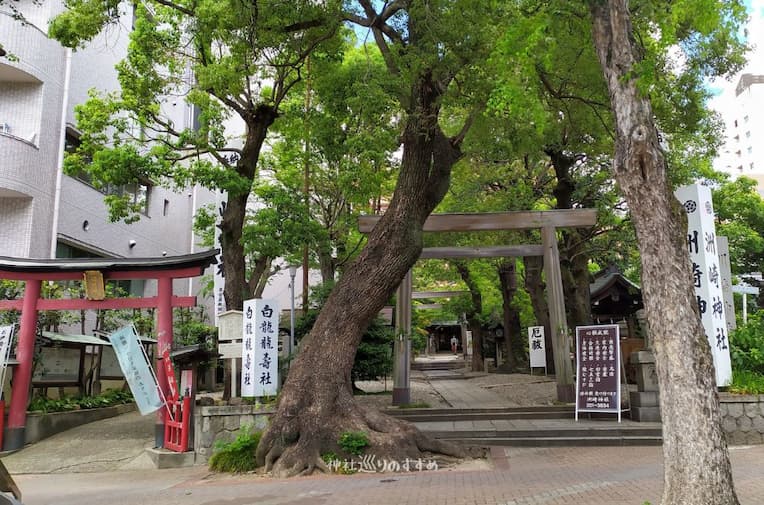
[34, 271]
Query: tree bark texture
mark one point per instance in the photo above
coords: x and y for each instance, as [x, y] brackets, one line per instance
[574, 268]
[536, 287]
[696, 460]
[473, 316]
[316, 403]
[513, 343]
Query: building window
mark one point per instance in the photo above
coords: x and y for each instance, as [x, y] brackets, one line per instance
[748, 134]
[166, 207]
[138, 193]
[745, 119]
[751, 165]
[749, 150]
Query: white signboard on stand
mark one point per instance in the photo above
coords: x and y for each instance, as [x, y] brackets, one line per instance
[706, 274]
[259, 348]
[536, 349]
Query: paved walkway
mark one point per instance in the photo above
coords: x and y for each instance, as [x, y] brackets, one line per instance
[108, 445]
[513, 476]
[579, 476]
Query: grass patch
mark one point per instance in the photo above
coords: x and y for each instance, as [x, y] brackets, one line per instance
[415, 405]
[745, 382]
[361, 392]
[237, 456]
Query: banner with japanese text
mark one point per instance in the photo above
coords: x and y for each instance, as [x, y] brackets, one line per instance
[598, 369]
[218, 279]
[259, 351]
[536, 349]
[138, 374]
[706, 274]
[6, 336]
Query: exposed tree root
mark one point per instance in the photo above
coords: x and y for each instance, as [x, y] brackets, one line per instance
[293, 445]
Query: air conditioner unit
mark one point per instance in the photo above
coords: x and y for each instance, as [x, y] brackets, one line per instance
[5, 128]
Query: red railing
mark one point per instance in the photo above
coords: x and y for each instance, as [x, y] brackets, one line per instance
[177, 417]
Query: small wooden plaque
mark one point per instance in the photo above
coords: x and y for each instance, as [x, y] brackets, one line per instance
[94, 287]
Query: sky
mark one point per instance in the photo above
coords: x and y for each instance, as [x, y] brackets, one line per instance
[725, 88]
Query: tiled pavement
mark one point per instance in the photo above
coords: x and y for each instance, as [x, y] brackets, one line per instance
[516, 476]
[551, 476]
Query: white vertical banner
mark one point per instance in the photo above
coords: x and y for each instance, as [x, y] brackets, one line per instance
[536, 349]
[219, 277]
[259, 352]
[135, 366]
[6, 336]
[706, 274]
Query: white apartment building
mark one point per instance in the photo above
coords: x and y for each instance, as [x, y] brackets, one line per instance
[743, 152]
[43, 212]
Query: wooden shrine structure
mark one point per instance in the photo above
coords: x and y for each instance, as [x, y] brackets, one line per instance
[548, 222]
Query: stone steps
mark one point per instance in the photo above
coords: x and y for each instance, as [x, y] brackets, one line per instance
[607, 441]
[540, 426]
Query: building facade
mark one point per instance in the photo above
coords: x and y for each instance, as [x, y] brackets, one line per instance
[45, 213]
[743, 153]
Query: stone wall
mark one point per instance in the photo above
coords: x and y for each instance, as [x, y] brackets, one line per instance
[743, 418]
[223, 423]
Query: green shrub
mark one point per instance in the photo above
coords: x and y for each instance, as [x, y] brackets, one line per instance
[237, 456]
[353, 442]
[745, 382]
[107, 399]
[747, 345]
[415, 405]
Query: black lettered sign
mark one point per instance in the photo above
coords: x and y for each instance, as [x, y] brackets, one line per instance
[598, 369]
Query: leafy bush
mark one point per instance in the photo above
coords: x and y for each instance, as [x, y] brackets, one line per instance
[745, 382]
[237, 456]
[107, 399]
[373, 359]
[353, 442]
[747, 345]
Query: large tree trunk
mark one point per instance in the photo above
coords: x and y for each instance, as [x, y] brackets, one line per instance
[316, 404]
[696, 460]
[536, 287]
[237, 289]
[473, 316]
[574, 259]
[574, 269]
[513, 343]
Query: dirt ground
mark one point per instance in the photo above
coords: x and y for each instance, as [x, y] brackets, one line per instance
[379, 394]
[520, 390]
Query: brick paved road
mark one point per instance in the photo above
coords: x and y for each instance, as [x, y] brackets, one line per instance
[550, 476]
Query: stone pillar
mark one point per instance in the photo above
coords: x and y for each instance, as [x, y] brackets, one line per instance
[644, 401]
[402, 348]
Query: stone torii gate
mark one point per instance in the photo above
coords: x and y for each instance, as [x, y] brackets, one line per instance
[548, 221]
[94, 272]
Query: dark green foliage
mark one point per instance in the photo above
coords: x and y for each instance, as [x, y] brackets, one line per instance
[107, 399]
[373, 358]
[353, 442]
[237, 456]
[747, 345]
